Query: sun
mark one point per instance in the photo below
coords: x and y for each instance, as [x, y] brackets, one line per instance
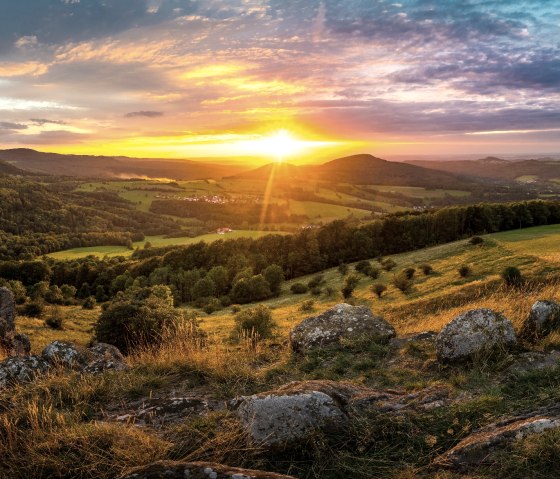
[281, 145]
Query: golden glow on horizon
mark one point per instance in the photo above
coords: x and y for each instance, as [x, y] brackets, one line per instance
[279, 145]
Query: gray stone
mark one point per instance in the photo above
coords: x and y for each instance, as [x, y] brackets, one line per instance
[474, 332]
[478, 448]
[197, 470]
[103, 357]
[342, 322]
[295, 411]
[542, 320]
[61, 353]
[534, 361]
[21, 369]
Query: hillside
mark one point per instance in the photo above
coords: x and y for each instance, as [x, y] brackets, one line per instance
[84, 166]
[8, 169]
[544, 170]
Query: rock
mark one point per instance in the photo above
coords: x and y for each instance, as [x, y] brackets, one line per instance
[478, 448]
[102, 357]
[543, 318]
[425, 336]
[343, 321]
[21, 369]
[61, 353]
[295, 411]
[197, 470]
[22, 345]
[476, 331]
[161, 411]
[534, 361]
[7, 320]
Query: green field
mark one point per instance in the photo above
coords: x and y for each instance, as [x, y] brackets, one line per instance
[156, 241]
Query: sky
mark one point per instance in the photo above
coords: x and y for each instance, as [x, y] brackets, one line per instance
[206, 78]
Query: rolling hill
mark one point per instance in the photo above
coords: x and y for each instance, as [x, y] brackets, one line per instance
[114, 167]
[544, 169]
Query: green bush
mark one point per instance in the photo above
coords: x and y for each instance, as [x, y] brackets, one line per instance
[388, 264]
[299, 288]
[378, 289]
[426, 269]
[512, 276]
[89, 303]
[316, 281]
[409, 273]
[350, 284]
[247, 290]
[363, 266]
[138, 317]
[55, 319]
[33, 309]
[274, 276]
[343, 269]
[212, 306]
[307, 306]
[402, 283]
[255, 323]
[476, 240]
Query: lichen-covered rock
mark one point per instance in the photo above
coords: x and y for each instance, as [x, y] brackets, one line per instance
[474, 332]
[478, 448]
[61, 353]
[103, 357]
[295, 411]
[197, 470]
[534, 361]
[21, 369]
[543, 318]
[343, 321]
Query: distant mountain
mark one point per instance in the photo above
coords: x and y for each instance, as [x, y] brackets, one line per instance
[361, 170]
[114, 167]
[8, 169]
[543, 170]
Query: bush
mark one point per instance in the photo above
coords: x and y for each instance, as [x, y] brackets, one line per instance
[247, 290]
[316, 291]
[350, 285]
[34, 309]
[255, 323]
[388, 264]
[138, 317]
[464, 271]
[402, 283]
[378, 289]
[274, 275]
[512, 276]
[329, 291]
[212, 306]
[316, 281]
[89, 303]
[373, 272]
[476, 240]
[54, 295]
[235, 308]
[409, 273]
[55, 319]
[299, 288]
[426, 269]
[307, 306]
[343, 269]
[363, 267]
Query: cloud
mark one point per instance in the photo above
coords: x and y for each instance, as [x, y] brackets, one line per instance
[43, 121]
[144, 113]
[5, 125]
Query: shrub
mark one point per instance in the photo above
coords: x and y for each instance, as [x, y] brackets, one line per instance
[89, 303]
[363, 267]
[235, 308]
[274, 275]
[388, 264]
[512, 276]
[299, 288]
[401, 282]
[426, 269]
[137, 317]
[378, 289]
[54, 295]
[256, 323]
[343, 269]
[34, 309]
[55, 319]
[350, 285]
[316, 291]
[409, 273]
[225, 301]
[476, 240]
[464, 271]
[373, 272]
[307, 306]
[212, 306]
[329, 291]
[316, 281]
[247, 290]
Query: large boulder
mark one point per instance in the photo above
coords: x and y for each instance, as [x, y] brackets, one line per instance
[61, 353]
[7, 320]
[196, 470]
[343, 321]
[474, 332]
[295, 411]
[543, 319]
[103, 357]
[479, 447]
[21, 369]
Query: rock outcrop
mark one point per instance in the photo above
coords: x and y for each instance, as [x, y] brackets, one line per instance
[103, 357]
[534, 361]
[341, 322]
[479, 447]
[543, 318]
[21, 369]
[61, 353]
[197, 470]
[474, 332]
